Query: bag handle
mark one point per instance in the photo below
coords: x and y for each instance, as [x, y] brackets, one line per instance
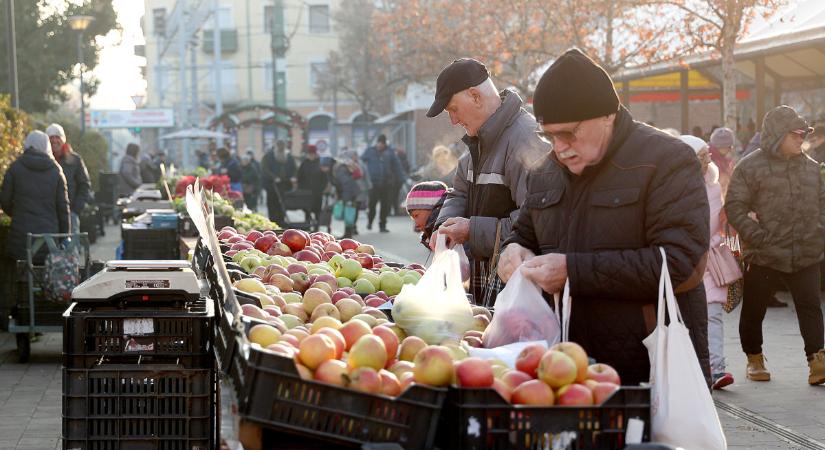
[667, 299]
[491, 275]
[566, 310]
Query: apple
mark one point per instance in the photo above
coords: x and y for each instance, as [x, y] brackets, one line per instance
[366, 318]
[557, 369]
[364, 248]
[314, 297]
[353, 331]
[338, 295]
[337, 338]
[291, 321]
[279, 249]
[533, 392]
[300, 281]
[325, 322]
[264, 242]
[348, 244]
[294, 239]
[528, 359]
[575, 395]
[273, 310]
[513, 378]
[363, 286]
[316, 349]
[321, 285]
[433, 366]
[401, 367]
[273, 269]
[333, 247]
[365, 379]
[474, 372]
[250, 310]
[374, 302]
[282, 282]
[235, 239]
[329, 279]
[368, 351]
[253, 235]
[579, 356]
[365, 260]
[603, 372]
[602, 391]
[480, 322]
[307, 255]
[242, 245]
[333, 372]
[282, 349]
[325, 309]
[390, 340]
[299, 333]
[391, 283]
[347, 308]
[290, 339]
[231, 253]
[389, 383]
[292, 297]
[297, 268]
[503, 390]
[264, 335]
[410, 346]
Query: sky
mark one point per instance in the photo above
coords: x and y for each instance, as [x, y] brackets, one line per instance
[119, 68]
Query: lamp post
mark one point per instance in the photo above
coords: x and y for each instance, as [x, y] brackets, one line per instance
[79, 24]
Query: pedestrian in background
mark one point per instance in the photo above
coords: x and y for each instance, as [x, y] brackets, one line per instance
[722, 143]
[311, 178]
[716, 295]
[129, 171]
[345, 178]
[78, 183]
[401, 185]
[776, 202]
[251, 182]
[35, 196]
[230, 167]
[441, 167]
[490, 181]
[147, 168]
[385, 171]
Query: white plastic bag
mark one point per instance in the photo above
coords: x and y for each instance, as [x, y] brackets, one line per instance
[521, 314]
[435, 309]
[682, 411]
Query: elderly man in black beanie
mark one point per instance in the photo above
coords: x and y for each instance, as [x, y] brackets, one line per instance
[489, 184]
[599, 207]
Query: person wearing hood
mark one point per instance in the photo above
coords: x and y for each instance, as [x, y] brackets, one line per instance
[129, 172]
[34, 195]
[722, 143]
[776, 202]
[74, 169]
[490, 180]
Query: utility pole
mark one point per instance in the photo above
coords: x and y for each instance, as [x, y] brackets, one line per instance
[182, 101]
[216, 47]
[11, 45]
[280, 45]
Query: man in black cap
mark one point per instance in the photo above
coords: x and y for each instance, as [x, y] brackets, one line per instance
[490, 179]
[599, 207]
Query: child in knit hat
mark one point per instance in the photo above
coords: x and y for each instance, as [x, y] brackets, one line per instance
[424, 202]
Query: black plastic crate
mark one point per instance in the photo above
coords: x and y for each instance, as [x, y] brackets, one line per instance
[95, 333]
[480, 419]
[139, 406]
[226, 341]
[187, 228]
[149, 243]
[277, 398]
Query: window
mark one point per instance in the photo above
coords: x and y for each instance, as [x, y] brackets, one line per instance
[269, 13]
[319, 18]
[316, 71]
[225, 19]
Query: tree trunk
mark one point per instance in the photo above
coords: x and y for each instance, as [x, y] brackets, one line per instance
[728, 78]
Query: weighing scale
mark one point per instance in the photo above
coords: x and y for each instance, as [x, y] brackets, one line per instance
[141, 281]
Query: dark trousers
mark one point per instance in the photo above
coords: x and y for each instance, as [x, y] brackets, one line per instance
[273, 205]
[251, 201]
[760, 285]
[383, 195]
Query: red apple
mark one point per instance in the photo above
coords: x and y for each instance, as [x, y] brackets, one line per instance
[338, 295]
[264, 242]
[328, 279]
[528, 359]
[242, 245]
[279, 249]
[300, 281]
[230, 253]
[253, 235]
[577, 354]
[603, 372]
[295, 239]
[235, 238]
[296, 268]
[602, 391]
[514, 378]
[365, 260]
[225, 234]
[365, 379]
[307, 255]
[332, 371]
[533, 392]
[333, 247]
[575, 395]
[390, 342]
[374, 301]
[365, 248]
[327, 256]
[474, 372]
[503, 390]
[557, 369]
[348, 244]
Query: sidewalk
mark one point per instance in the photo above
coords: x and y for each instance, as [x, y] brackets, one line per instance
[785, 413]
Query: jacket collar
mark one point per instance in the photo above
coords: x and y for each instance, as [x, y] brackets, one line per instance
[622, 128]
[491, 130]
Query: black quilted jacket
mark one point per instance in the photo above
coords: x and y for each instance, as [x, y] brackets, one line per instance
[647, 192]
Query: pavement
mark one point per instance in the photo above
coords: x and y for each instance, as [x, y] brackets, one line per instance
[784, 413]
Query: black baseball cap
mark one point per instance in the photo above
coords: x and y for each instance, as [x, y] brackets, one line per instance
[461, 74]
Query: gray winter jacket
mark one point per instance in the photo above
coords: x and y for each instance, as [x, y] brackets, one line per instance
[490, 181]
[130, 177]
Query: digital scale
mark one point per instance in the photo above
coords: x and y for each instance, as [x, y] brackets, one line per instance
[140, 281]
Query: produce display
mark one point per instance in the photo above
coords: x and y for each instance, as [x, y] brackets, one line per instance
[244, 221]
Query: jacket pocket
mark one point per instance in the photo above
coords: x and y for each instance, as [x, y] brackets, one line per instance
[618, 218]
[546, 214]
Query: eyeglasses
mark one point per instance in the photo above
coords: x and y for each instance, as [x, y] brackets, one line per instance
[568, 137]
[803, 133]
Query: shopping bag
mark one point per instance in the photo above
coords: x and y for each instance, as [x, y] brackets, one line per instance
[723, 266]
[62, 271]
[338, 210]
[736, 289]
[436, 308]
[521, 314]
[682, 411]
[349, 215]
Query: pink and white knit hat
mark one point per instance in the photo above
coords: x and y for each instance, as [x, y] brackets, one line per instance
[425, 195]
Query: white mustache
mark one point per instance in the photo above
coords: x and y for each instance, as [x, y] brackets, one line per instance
[567, 154]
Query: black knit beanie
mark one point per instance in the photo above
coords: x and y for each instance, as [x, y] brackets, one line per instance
[572, 89]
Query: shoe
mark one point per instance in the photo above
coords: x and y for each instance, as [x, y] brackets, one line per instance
[369, 225]
[720, 380]
[756, 368]
[817, 366]
[384, 230]
[774, 303]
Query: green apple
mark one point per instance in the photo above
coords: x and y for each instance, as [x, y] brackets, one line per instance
[237, 257]
[410, 279]
[371, 276]
[391, 283]
[292, 297]
[349, 268]
[291, 260]
[250, 263]
[317, 271]
[363, 286]
[344, 282]
[334, 263]
[386, 269]
[319, 266]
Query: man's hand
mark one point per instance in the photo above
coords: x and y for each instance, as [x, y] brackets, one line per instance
[457, 230]
[549, 272]
[512, 257]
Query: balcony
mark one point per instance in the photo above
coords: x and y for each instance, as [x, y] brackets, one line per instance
[229, 41]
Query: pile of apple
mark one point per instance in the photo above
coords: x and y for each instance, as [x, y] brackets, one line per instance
[560, 376]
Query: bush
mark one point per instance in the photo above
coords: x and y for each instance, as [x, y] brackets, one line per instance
[13, 127]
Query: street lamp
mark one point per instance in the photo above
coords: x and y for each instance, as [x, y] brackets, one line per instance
[79, 24]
